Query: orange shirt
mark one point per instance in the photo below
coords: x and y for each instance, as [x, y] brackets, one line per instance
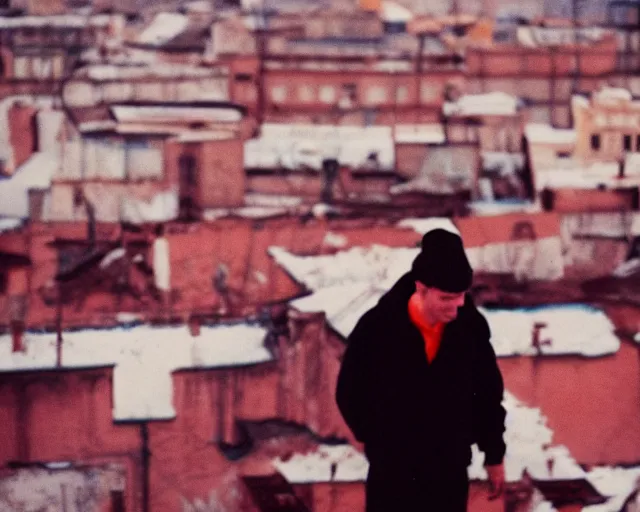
[431, 334]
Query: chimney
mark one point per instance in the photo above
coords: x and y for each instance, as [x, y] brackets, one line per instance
[22, 132]
[194, 326]
[17, 336]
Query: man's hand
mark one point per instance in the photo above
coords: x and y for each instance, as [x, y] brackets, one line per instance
[496, 481]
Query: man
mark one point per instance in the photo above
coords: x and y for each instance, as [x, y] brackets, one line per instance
[419, 384]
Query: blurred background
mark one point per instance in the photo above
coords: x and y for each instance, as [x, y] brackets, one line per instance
[199, 199]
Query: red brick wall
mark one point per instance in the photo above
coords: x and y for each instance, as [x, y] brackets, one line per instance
[221, 174]
[22, 132]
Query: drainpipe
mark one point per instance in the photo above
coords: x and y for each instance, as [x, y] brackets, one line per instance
[146, 455]
[59, 327]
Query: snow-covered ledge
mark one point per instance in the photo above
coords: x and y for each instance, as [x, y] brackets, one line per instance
[143, 359]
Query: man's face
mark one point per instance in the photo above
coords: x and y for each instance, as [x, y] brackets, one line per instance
[437, 305]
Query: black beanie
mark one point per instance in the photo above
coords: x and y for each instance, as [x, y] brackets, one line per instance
[442, 262]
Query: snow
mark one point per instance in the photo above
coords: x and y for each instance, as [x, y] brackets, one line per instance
[164, 27]
[537, 133]
[144, 358]
[627, 268]
[529, 447]
[342, 304]
[147, 114]
[636, 338]
[615, 94]
[9, 224]
[489, 208]
[347, 284]
[600, 224]
[296, 146]
[419, 134]
[572, 329]
[423, 226]
[62, 21]
[334, 240]
[540, 260]
[616, 483]
[494, 103]
[109, 72]
[591, 177]
[632, 164]
[349, 465]
[272, 200]
[35, 174]
[377, 265]
[161, 208]
[394, 12]
[247, 212]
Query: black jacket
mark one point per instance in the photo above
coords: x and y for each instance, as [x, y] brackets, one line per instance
[409, 413]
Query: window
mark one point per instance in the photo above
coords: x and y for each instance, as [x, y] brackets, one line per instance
[327, 94]
[279, 93]
[306, 93]
[4, 281]
[637, 142]
[595, 142]
[429, 92]
[564, 154]
[376, 94]
[21, 67]
[347, 96]
[402, 94]
[103, 158]
[143, 159]
[627, 143]
[243, 77]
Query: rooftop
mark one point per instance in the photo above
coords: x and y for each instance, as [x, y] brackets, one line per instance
[143, 359]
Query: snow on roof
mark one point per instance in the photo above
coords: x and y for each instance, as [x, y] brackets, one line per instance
[144, 358]
[255, 199]
[149, 114]
[9, 224]
[615, 94]
[419, 133]
[538, 133]
[491, 208]
[342, 304]
[378, 265]
[601, 224]
[246, 212]
[614, 482]
[423, 226]
[164, 27]
[493, 103]
[161, 208]
[63, 21]
[532, 36]
[570, 329]
[632, 164]
[394, 12]
[295, 146]
[528, 440]
[596, 175]
[35, 174]
[110, 72]
[341, 463]
[347, 284]
[529, 447]
[428, 184]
